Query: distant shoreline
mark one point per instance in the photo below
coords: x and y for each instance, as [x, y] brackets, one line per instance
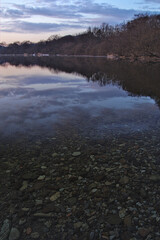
[111, 57]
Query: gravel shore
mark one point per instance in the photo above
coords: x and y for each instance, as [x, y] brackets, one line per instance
[75, 188]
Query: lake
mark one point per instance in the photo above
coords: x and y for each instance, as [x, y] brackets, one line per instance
[96, 97]
[79, 133]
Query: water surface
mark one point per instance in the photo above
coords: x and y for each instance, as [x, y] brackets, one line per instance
[41, 95]
[79, 148]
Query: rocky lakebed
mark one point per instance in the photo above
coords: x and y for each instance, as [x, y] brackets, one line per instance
[79, 188]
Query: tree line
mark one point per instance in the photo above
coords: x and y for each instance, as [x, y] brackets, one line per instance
[137, 37]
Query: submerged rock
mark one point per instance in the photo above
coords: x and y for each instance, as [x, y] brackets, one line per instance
[124, 180]
[76, 154]
[114, 219]
[155, 178]
[14, 234]
[5, 230]
[55, 196]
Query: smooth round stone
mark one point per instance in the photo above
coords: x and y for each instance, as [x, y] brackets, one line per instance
[14, 234]
[35, 235]
[76, 154]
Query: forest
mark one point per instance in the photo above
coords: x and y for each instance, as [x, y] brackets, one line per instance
[139, 37]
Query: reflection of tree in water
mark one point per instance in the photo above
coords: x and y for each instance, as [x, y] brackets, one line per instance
[101, 78]
[136, 78]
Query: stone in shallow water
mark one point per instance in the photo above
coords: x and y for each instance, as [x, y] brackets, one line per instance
[122, 213]
[24, 186]
[22, 221]
[107, 183]
[35, 235]
[124, 180]
[54, 154]
[5, 230]
[55, 196]
[38, 202]
[114, 219]
[76, 154]
[42, 177]
[128, 221]
[14, 234]
[154, 178]
[43, 167]
[143, 232]
[91, 236]
[94, 190]
[78, 224]
[30, 176]
[72, 200]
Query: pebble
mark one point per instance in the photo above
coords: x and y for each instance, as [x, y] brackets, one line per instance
[154, 178]
[78, 224]
[24, 186]
[43, 215]
[122, 213]
[107, 183]
[22, 221]
[38, 202]
[91, 236]
[54, 154]
[43, 167]
[114, 219]
[25, 209]
[76, 154]
[28, 230]
[5, 230]
[35, 235]
[124, 180]
[42, 177]
[55, 196]
[14, 234]
[128, 221]
[143, 232]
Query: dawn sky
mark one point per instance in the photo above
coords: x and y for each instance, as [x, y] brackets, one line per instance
[38, 19]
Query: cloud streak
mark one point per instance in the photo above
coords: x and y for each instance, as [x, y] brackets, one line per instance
[57, 15]
[31, 27]
[152, 1]
[73, 11]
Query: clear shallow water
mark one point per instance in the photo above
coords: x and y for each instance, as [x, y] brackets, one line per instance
[95, 97]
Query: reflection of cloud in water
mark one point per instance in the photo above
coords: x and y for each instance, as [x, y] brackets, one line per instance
[36, 103]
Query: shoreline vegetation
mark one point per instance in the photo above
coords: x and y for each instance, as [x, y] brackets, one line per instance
[136, 40]
[113, 57]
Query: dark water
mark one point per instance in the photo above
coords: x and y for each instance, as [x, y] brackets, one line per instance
[79, 149]
[96, 98]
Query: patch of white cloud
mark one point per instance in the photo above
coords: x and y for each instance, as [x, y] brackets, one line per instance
[56, 15]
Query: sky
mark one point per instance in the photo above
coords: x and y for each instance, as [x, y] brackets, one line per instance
[36, 20]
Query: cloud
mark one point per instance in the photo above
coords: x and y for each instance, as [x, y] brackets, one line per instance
[107, 10]
[152, 1]
[12, 13]
[52, 16]
[31, 27]
[76, 10]
[55, 11]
